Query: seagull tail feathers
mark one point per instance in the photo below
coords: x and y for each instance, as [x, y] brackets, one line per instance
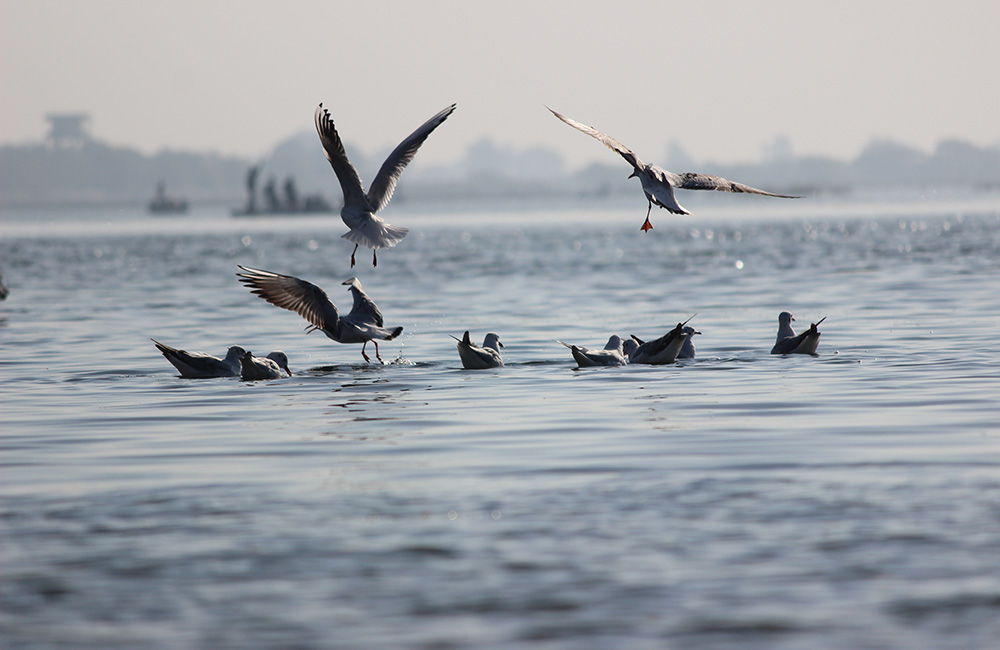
[376, 234]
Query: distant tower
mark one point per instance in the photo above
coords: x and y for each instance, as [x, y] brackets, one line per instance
[68, 130]
[779, 149]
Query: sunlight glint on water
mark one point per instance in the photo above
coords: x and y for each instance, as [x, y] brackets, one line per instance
[739, 500]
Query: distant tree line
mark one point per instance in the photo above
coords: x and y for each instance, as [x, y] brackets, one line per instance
[94, 172]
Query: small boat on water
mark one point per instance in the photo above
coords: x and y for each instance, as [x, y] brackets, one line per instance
[163, 204]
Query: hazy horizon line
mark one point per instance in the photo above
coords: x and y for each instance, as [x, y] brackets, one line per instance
[762, 157]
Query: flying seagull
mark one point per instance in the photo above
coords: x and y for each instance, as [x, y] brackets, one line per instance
[363, 324]
[198, 365]
[657, 183]
[270, 367]
[475, 357]
[360, 207]
[787, 341]
[611, 355]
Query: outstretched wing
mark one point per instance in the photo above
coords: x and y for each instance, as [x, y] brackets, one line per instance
[606, 139]
[385, 181]
[364, 310]
[696, 181]
[333, 147]
[304, 298]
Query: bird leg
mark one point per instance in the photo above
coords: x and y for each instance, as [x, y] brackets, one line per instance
[647, 226]
[367, 360]
[352, 255]
[377, 356]
[374, 257]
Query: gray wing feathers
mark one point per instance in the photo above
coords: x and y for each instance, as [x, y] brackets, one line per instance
[293, 294]
[687, 181]
[333, 147]
[790, 345]
[385, 181]
[604, 138]
[198, 364]
[475, 357]
[365, 309]
[696, 181]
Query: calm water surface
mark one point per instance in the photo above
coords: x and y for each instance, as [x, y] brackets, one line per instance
[739, 500]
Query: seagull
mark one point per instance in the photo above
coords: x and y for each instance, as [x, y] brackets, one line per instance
[364, 307]
[198, 365]
[478, 358]
[611, 355]
[660, 351]
[687, 350]
[360, 207]
[253, 368]
[363, 324]
[657, 183]
[788, 343]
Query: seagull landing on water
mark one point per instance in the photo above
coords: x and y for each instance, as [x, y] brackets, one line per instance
[475, 357]
[787, 341]
[657, 183]
[363, 324]
[360, 207]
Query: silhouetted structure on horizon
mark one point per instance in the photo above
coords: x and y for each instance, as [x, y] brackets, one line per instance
[275, 204]
[163, 204]
[67, 129]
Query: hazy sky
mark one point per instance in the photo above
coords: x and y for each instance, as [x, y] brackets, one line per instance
[721, 78]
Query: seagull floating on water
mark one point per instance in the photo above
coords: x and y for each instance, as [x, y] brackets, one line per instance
[198, 365]
[660, 351]
[787, 341]
[475, 357]
[363, 324]
[611, 355]
[359, 209]
[270, 367]
[687, 350]
[657, 183]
